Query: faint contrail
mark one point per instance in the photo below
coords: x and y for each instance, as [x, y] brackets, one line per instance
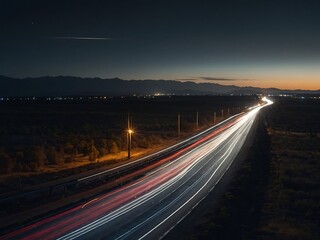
[82, 38]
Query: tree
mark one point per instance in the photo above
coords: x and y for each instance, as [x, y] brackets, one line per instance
[53, 156]
[113, 147]
[102, 151]
[93, 154]
[82, 147]
[6, 162]
[102, 146]
[69, 148]
[38, 156]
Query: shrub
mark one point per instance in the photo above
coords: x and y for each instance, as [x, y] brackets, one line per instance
[113, 147]
[93, 154]
[6, 162]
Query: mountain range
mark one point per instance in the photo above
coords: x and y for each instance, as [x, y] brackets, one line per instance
[76, 86]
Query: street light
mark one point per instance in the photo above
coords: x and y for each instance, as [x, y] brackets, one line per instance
[129, 133]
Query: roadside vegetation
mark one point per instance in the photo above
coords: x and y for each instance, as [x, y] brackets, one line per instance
[42, 137]
[292, 204]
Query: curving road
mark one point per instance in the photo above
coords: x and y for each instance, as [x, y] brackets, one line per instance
[151, 206]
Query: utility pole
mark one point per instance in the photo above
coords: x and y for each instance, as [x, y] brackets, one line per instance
[129, 144]
[222, 114]
[214, 117]
[129, 133]
[128, 121]
[228, 112]
[197, 121]
[178, 125]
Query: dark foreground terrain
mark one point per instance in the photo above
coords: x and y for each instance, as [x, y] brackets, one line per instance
[34, 134]
[50, 140]
[275, 192]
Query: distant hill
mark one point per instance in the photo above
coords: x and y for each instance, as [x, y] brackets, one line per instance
[76, 86]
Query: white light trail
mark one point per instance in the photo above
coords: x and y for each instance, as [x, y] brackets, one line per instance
[234, 136]
[83, 38]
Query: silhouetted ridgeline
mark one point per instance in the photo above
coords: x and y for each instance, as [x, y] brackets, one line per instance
[75, 86]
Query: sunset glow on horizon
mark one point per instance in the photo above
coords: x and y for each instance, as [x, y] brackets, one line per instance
[298, 84]
[267, 44]
[280, 83]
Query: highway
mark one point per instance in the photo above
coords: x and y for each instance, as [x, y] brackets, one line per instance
[149, 207]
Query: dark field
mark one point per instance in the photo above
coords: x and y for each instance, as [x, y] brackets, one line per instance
[49, 136]
[291, 208]
[276, 192]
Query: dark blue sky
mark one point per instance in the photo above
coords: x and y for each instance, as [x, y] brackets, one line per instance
[248, 42]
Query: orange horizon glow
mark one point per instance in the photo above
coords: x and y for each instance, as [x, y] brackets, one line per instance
[290, 84]
[285, 76]
[280, 83]
[308, 79]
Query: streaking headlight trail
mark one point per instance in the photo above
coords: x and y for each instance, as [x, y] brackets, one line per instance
[151, 206]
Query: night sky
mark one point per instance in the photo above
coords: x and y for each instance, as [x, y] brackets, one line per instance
[262, 43]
